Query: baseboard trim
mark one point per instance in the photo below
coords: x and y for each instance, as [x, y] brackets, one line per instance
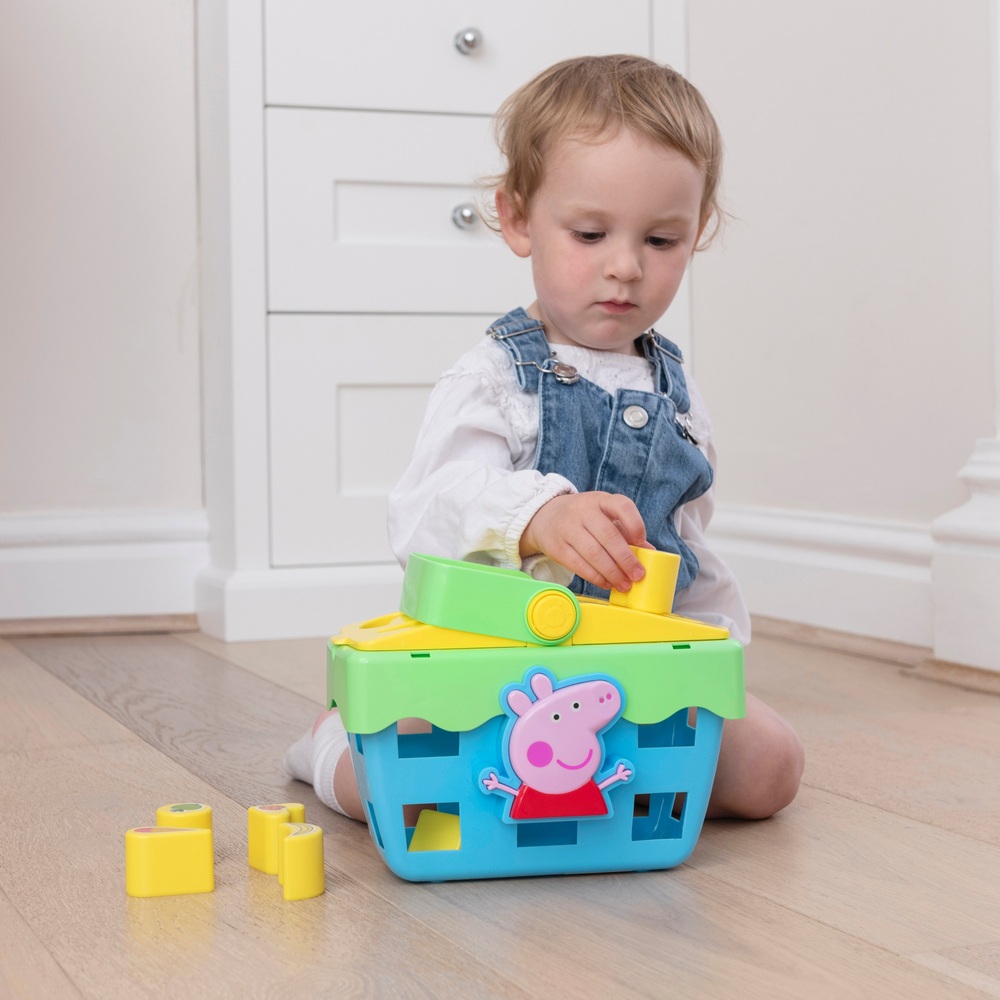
[966, 567]
[849, 575]
[980, 679]
[866, 647]
[122, 625]
[244, 605]
[117, 564]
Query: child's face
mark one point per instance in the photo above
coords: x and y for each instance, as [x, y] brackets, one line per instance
[609, 233]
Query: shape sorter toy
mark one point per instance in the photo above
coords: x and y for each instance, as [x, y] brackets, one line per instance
[559, 734]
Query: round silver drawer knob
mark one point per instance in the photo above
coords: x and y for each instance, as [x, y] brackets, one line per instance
[468, 40]
[465, 215]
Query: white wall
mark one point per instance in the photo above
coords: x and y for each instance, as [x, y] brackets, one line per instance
[843, 325]
[100, 454]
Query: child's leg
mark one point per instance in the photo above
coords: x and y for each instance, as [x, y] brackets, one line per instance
[760, 765]
[321, 758]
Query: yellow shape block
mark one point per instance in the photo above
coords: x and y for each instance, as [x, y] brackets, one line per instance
[301, 872]
[168, 861]
[185, 814]
[602, 623]
[399, 631]
[655, 591]
[436, 831]
[263, 823]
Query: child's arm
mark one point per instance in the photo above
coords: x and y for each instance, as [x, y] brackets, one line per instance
[590, 534]
[470, 489]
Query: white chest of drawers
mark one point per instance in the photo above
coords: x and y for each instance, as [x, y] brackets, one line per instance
[338, 144]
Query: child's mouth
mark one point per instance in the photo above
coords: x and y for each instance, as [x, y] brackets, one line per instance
[615, 307]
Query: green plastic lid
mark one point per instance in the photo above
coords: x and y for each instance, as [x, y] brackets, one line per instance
[488, 600]
[459, 689]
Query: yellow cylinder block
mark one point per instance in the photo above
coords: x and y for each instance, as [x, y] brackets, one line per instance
[655, 591]
[301, 872]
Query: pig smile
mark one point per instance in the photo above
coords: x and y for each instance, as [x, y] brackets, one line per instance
[576, 767]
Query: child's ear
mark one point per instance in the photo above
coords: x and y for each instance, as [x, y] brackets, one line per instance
[513, 223]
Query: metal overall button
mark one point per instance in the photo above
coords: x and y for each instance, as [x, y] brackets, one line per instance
[635, 416]
[564, 373]
[685, 425]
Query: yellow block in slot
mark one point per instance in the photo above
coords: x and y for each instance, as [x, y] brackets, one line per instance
[168, 861]
[301, 872]
[436, 831]
[185, 814]
[263, 823]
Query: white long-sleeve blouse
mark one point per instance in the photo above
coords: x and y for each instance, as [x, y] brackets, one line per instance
[471, 486]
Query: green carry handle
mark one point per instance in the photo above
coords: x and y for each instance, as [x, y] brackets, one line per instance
[488, 600]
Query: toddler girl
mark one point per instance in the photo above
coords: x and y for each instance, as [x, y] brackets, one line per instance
[571, 431]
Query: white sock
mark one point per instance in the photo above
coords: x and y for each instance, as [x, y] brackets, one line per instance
[313, 758]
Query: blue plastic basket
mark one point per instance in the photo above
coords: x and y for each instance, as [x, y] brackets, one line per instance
[652, 820]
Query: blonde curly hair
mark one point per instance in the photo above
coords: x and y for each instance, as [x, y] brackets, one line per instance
[593, 97]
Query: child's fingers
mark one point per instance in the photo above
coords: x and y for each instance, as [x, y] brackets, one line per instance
[610, 563]
[589, 534]
[623, 512]
[581, 553]
[614, 560]
[579, 564]
[625, 528]
[601, 570]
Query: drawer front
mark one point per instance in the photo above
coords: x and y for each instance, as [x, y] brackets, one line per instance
[360, 215]
[347, 395]
[402, 56]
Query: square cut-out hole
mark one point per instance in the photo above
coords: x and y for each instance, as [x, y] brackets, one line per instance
[373, 823]
[659, 816]
[435, 828]
[676, 731]
[421, 739]
[561, 834]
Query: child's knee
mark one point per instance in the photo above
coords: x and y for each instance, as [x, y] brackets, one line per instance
[781, 770]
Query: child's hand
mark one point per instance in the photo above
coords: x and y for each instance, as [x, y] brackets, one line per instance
[590, 534]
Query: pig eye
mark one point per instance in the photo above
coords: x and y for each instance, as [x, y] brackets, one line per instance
[576, 706]
[556, 716]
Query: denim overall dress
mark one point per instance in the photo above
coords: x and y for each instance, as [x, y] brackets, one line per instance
[632, 442]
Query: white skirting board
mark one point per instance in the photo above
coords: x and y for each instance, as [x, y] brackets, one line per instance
[847, 574]
[850, 575]
[966, 567]
[243, 605]
[854, 576]
[101, 564]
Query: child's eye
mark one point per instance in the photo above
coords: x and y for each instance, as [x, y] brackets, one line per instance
[587, 236]
[660, 242]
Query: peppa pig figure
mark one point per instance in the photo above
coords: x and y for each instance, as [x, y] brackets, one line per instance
[553, 745]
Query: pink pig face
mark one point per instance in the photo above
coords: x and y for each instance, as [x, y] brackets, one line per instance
[553, 745]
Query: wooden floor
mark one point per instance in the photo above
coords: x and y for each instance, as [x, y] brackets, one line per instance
[882, 880]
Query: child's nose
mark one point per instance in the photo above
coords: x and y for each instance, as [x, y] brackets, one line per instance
[623, 263]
